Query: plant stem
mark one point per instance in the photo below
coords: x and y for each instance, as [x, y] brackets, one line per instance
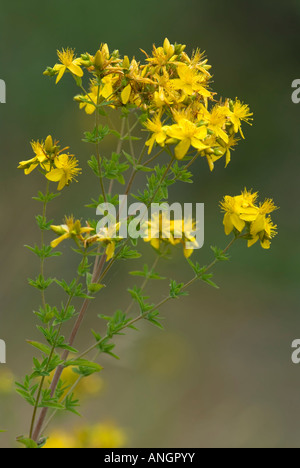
[32, 432]
[157, 306]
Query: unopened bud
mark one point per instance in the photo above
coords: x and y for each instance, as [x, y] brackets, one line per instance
[126, 63]
[48, 143]
[166, 45]
[58, 230]
[218, 152]
[98, 59]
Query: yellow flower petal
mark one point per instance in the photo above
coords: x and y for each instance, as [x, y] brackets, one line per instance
[125, 95]
[75, 69]
[110, 250]
[57, 241]
[62, 70]
[182, 148]
[55, 175]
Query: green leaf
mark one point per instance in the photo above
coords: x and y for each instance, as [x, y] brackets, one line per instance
[219, 255]
[29, 443]
[83, 363]
[146, 273]
[127, 253]
[176, 289]
[44, 348]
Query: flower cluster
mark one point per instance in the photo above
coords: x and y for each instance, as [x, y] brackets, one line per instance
[161, 230]
[242, 213]
[172, 89]
[54, 164]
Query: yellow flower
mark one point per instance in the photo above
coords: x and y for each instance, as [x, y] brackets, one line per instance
[262, 228]
[60, 440]
[159, 132]
[90, 385]
[68, 62]
[70, 230]
[107, 86]
[7, 380]
[161, 56]
[39, 158]
[232, 141]
[190, 81]
[239, 210]
[103, 435]
[107, 236]
[125, 94]
[184, 230]
[216, 120]
[66, 170]
[158, 229]
[240, 112]
[189, 134]
[90, 100]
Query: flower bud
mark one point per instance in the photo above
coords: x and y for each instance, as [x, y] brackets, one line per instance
[48, 143]
[166, 45]
[126, 63]
[98, 59]
[58, 230]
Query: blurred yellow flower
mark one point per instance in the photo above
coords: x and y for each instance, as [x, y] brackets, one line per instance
[59, 439]
[6, 381]
[103, 435]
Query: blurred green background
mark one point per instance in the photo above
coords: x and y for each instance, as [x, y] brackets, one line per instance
[221, 373]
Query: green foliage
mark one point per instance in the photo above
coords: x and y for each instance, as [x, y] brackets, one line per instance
[73, 289]
[42, 223]
[126, 253]
[114, 200]
[93, 287]
[114, 169]
[201, 273]
[45, 251]
[71, 404]
[40, 282]
[104, 345]
[147, 273]
[156, 187]
[97, 135]
[181, 174]
[46, 198]
[219, 254]
[176, 290]
[83, 366]
[116, 323]
[27, 442]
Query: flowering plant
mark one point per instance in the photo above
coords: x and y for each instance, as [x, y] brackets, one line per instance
[170, 98]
